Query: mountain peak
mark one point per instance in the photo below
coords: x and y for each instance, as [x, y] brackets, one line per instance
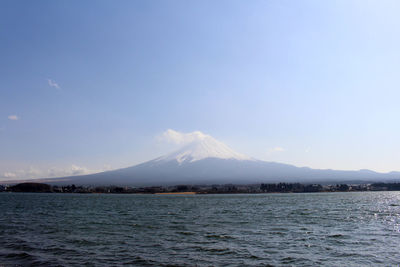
[203, 147]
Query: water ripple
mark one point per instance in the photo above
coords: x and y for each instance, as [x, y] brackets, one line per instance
[331, 229]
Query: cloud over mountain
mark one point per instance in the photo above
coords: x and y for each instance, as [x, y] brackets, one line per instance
[180, 138]
[13, 117]
[197, 146]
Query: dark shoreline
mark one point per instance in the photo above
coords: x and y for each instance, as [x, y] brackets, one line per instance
[202, 189]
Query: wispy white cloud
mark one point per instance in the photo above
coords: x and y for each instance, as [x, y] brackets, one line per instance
[9, 175]
[32, 173]
[180, 138]
[274, 151]
[13, 117]
[70, 171]
[278, 149]
[26, 173]
[53, 84]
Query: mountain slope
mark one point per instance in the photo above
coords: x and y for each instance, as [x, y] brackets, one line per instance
[219, 171]
[206, 160]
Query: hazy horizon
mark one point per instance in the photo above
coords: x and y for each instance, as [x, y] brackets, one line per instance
[94, 86]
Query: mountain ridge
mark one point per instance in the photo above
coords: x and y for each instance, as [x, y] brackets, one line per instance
[221, 171]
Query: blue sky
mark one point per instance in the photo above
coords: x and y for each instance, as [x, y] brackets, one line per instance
[89, 85]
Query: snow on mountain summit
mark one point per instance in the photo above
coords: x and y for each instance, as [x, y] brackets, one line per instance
[201, 147]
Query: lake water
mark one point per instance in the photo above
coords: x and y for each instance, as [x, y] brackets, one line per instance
[332, 229]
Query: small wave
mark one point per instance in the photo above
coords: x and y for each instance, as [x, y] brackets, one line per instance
[279, 229]
[185, 233]
[82, 242]
[19, 246]
[137, 260]
[278, 233]
[215, 250]
[148, 226]
[216, 236]
[337, 236]
[21, 255]
[288, 260]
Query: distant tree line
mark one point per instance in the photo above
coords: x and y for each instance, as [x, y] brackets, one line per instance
[203, 189]
[31, 187]
[386, 186]
[288, 187]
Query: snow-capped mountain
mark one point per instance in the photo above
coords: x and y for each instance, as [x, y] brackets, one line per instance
[205, 160]
[202, 148]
